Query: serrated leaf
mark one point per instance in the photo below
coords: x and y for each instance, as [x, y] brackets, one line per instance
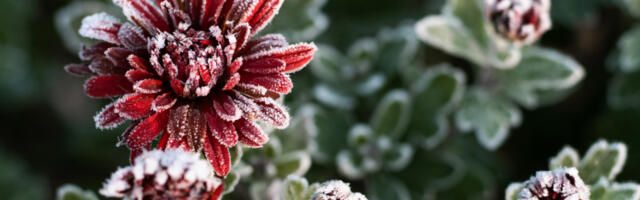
[513, 191]
[386, 187]
[489, 116]
[602, 160]
[295, 188]
[300, 20]
[603, 190]
[391, 116]
[568, 157]
[231, 181]
[294, 163]
[539, 70]
[435, 94]
[450, 35]
[624, 91]
[73, 192]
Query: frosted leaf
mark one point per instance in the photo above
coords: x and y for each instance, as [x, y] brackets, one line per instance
[231, 181]
[633, 6]
[391, 116]
[333, 97]
[512, 191]
[561, 183]
[450, 35]
[568, 157]
[471, 14]
[386, 187]
[73, 192]
[399, 157]
[629, 46]
[297, 188]
[372, 85]
[435, 94]
[336, 190]
[603, 159]
[605, 190]
[360, 135]
[540, 70]
[293, 163]
[329, 64]
[489, 116]
[624, 92]
[347, 165]
[300, 20]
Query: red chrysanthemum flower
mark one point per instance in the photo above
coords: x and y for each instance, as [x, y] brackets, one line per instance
[188, 72]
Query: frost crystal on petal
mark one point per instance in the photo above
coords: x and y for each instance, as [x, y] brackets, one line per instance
[520, 20]
[336, 190]
[559, 184]
[171, 174]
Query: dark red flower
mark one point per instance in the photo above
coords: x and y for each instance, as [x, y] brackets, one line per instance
[520, 20]
[188, 72]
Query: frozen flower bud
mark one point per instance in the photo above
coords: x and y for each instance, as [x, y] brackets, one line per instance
[171, 174]
[559, 184]
[336, 190]
[523, 21]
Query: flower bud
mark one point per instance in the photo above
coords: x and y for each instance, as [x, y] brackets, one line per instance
[559, 184]
[522, 21]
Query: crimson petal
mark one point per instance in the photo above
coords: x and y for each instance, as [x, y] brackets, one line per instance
[145, 14]
[187, 121]
[138, 75]
[164, 102]
[262, 14]
[103, 66]
[264, 66]
[107, 86]
[296, 56]
[279, 83]
[78, 70]
[89, 53]
[222, 130]
[218, 155]
[134, 106]
[118, 56]
[132, 37]
[101, 26]
[226, 108]
[147, 130]
[264, 43]
[149, 86]
[250, 134]
[232, 82]
[272, 113]
[108, 118]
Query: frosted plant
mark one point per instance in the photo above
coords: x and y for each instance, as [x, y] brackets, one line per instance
[189, 73]
[624, 92]
[73, 192]
[300, 20]
[336, 190]
[172, 174]
[592, 174]
[520, 20]
[559, 184]
[508, 72]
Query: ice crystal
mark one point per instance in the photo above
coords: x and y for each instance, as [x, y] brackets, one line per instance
[520, 20]
[189, 73]
[170, 174]
[559, 184]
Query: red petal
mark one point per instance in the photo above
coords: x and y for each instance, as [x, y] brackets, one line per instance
[89, 53]
[250, 134]
[177, 86]
[78, 70]
[162, 143]
[137, 62]
[101, 26]
[164, 102]
[118, 56]
[122, 140]
[187, 121]
[264, 43]
[144, 14]
[107, 86]
[263, 14]
[149, 86]
[147, 130]
[134, 106]
[218, 155]
[210, 12]
[217, 194]
[222, 130]
[272, 113]
[132, 37]
[108, 118]
[134, 154]
[242, 33]
[296, 56]
[232, 82]
[235, 66]
[226, 108]
[103, 66]
[279, 83]
[264, 66]
[138, 75]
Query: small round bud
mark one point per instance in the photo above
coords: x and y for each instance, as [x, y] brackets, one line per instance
[522, 21]
[336, 190]
[559, 184]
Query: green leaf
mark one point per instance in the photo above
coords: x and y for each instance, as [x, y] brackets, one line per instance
[231, 181]
[471, 14]
[568, 157]
[603, 190]
[397, 48]
[328, 129]
[299, 20]
[294, 163]
[236, 155]
[363, 53]
[513, 191]
[333, 97]
[73, 192]
[450, 35]
[353, 166]
[360, 135]
[296, 188]
[435, 94]
[329, 64]
[386, 187]
[398, 157]
[539, 70]
[602, 160]
[490, 116]
[624, 91]
[392, 114]
[629, 46]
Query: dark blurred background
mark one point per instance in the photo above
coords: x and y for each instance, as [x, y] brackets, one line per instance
[46, 122]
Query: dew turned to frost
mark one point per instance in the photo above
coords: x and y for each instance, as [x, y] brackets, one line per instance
[336, 190]
[559, 184]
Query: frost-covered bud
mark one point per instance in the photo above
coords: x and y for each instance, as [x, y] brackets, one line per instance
[336, 190]
[522, 21]
[559, 184]
[172, 174]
